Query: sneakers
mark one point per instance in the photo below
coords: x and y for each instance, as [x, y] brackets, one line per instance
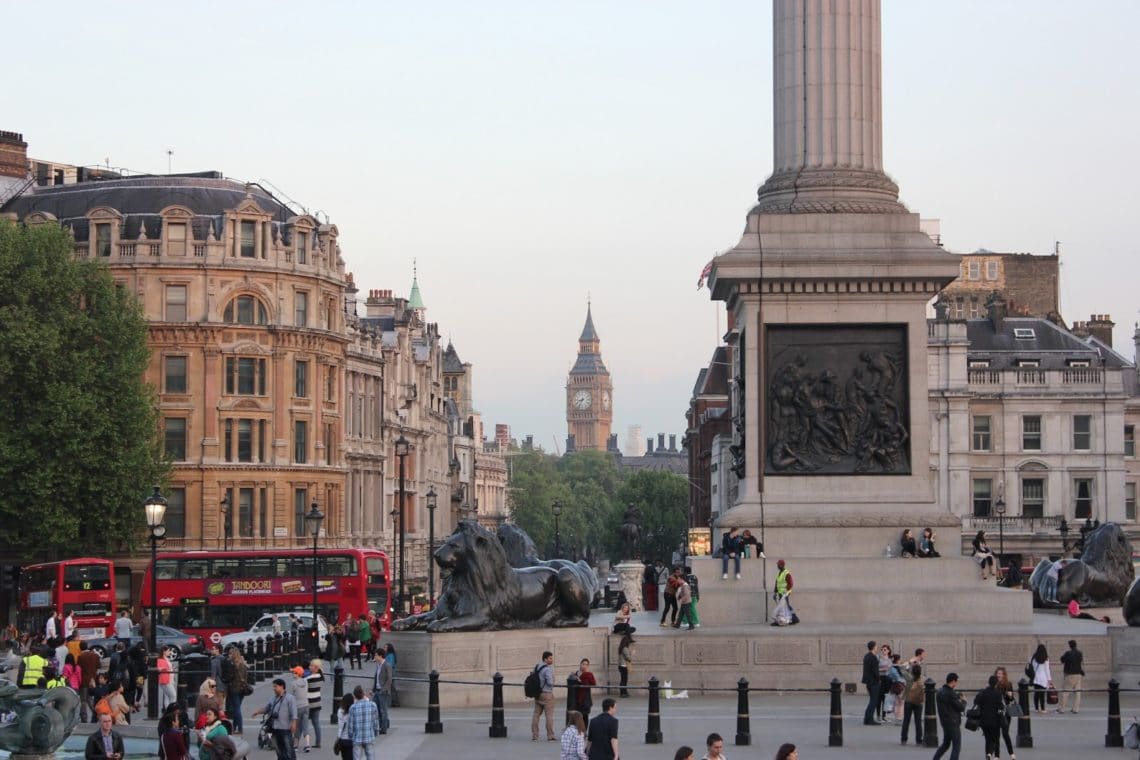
[738, 576]
[724, 576]
[762, 555]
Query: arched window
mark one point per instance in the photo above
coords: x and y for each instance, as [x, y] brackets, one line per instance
[245, 310]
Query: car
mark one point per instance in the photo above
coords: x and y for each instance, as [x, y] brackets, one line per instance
[179, 642]
[264, 627]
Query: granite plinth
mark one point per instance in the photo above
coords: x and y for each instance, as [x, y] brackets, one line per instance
[630, 575]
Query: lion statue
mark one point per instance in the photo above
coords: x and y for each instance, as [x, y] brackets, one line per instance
[482, 592]
[1100, 578]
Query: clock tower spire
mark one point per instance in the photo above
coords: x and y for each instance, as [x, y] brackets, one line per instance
[589, 394]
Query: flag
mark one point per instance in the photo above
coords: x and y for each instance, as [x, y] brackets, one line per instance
[704, 274]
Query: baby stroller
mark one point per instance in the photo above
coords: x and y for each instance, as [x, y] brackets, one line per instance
[265, 733]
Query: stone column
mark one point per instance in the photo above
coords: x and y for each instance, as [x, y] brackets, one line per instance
[828, 132]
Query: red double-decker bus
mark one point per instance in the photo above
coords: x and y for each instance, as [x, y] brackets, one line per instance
[85, 586]
[212, 593]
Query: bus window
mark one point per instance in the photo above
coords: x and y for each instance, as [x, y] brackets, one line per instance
[195, 568]
[375, 569]
[167, 569]
[295, 567]
[259, 567]
[336, 567]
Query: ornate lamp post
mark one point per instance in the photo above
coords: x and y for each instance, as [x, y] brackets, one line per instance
[402, 448]
[313, 520]
[999, 507]
[392, 573]
[431, 505]
[1064, 529]
[225, 507]
[556, 508]
[155, 508]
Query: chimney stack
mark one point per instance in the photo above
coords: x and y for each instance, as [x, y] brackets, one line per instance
[660, 443]
[380, 304]
[648, 446]
[996, 309]
[13, 155]
[1100, 327]
[672, 443]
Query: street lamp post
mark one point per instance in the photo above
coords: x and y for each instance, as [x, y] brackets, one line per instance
[392, 573]
[155, 508]
[313, 521]
[556, 508]
[999, 507]
[225, 507]
[1064, 529]
[431, 505]
[402, 448]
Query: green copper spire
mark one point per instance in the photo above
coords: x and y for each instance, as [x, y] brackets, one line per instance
[415, 300]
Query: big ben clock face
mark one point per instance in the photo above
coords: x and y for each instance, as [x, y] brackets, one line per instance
[582, 400]
[606, 400]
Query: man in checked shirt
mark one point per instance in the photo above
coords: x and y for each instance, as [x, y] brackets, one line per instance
[363, 725]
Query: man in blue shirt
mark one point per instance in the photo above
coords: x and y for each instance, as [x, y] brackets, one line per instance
[544, 702]
[363, 725]
[283, 709]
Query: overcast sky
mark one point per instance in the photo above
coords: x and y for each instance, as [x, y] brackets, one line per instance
[530, 155]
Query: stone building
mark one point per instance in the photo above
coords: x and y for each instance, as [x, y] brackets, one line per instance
[589, 396]
[712, 485]
[273, 392]
[1029, 283]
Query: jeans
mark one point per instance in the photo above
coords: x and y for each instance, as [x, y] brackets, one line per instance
[670, 604]
[167, 695]
[915, 710]
[362, 752]
[872, 702]
[383, 702]
[1039, 697]
[284, 739]
[1005, 735]
[1048, 589]
[951, 740]
[724, 564]
[302, 726]
[624, 673]
[315, 722]
[233, 709]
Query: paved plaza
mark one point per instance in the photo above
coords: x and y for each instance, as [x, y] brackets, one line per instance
[775, 718]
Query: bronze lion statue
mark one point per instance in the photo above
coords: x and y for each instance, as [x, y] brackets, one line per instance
[482, 592]
[1100, 578]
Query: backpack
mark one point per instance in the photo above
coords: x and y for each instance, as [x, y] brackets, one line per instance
[532, 686]
[916, 695]
[1030, 670]
[103, 707]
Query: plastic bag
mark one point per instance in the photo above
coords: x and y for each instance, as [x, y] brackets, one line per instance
[784, 614]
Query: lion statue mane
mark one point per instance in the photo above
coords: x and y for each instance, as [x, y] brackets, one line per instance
[481, 591]
[1100, 578]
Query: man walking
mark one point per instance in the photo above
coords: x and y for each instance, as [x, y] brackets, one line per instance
[89, 664]
[602, 736]
[714, 748]
[382, 688]
[685, 599]
[104, 744]
[950, 709]
[283, 710]
[363, 725]
[586, 679]
[871, 681]
[1073, 662]
[544, 702]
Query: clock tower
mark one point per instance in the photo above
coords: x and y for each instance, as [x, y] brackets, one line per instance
[589, 395]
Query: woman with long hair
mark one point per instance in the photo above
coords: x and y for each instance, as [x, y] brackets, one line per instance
[625, 662]
[983, 556]
[209, 733]
[908, 545]
[621, 620]
[926, 544]
[1005, 688]
[343, 745]
[239, 687]
[573, 740]
[71, 674]
[683, 753]
[207, 698]
[787, 752]
[173, 737]
[1042, 677]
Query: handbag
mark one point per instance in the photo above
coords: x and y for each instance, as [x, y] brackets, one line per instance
[1052, 697]
[973, 716]
[1013, 710]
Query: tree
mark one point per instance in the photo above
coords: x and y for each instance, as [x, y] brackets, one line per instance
[662, 497]
[78, 424]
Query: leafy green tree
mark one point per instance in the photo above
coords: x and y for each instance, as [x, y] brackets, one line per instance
[662, 498]
[78, 424]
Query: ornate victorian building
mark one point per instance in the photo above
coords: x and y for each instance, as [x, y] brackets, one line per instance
[589, 395]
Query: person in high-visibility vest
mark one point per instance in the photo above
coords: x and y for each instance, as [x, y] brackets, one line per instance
[31, 671]
[785, 615]
[783, 579]
[52, 679]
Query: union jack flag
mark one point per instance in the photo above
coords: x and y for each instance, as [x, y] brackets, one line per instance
[704, 274]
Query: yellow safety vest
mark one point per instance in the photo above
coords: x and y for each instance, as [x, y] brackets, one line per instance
[53, 683]
[782, 581]
[33, 670]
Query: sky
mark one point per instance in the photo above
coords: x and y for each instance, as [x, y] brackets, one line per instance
[533, 156]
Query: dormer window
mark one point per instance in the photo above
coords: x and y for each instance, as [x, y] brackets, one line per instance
[1024, 333]
[979, 364]
[302, 247]
[245, 310]
[103, 240]
[176, 239]
[1077, 363]
[248, 248]
[1029, 363]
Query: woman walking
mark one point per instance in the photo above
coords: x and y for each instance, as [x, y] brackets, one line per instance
[914, 701]
[238, 688]
[992, 706]
[1005, 688]
[1042, 677]
[625, 661]
[573, 742]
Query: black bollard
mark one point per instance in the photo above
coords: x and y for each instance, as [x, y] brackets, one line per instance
[835, 725]
[1024, 730]
[929, 714]
[278, 653]
[498, 729]
[433, 725]
[743, 730]
[653, 728]
[259, 660]
[571, 693]
[1113, 738]
[338, 691]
